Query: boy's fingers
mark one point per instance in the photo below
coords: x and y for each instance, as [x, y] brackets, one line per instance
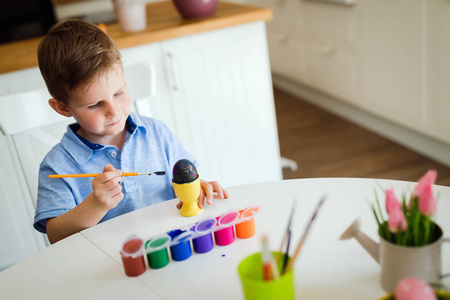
[108, 168]
[201, 198]
[113, 183]
[225, 194]
[109, 172]
[208, 188]
[221, 192]
[179, 204]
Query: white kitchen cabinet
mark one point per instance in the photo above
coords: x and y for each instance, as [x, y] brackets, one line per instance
[145, 65]
[386, 61]
[221, 90]
[313, 44]
[438, 68]
[391, 48]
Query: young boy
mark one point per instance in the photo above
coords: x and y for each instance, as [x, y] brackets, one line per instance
[83, 71]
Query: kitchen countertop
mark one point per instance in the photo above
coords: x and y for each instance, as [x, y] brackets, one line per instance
[163, 22]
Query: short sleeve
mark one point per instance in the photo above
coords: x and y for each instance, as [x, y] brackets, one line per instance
[54, 198]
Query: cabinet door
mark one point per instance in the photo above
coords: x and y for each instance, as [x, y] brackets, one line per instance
[330, 52]
[391, 50]
[223, 103]
[438, 62]
[147, 82]
[313, 44]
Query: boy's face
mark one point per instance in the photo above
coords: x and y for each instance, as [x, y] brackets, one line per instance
[102, 108]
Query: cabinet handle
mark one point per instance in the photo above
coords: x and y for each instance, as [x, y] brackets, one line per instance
[152, 81]
[173, 71]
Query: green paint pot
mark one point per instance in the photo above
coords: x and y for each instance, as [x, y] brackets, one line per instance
[157, 254]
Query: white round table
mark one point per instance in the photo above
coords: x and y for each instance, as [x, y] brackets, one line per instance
[88, 265]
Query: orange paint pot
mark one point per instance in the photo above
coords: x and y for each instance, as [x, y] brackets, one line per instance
[246, 228]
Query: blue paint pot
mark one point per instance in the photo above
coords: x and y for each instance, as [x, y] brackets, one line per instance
[204, 242]
[181, 248]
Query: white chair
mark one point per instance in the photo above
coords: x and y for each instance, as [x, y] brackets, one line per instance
[34, 128]
[30, 128]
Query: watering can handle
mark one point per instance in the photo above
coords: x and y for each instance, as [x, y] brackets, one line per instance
[448, 274]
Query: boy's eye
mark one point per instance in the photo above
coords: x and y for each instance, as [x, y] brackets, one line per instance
[118, 94]
[98, 104]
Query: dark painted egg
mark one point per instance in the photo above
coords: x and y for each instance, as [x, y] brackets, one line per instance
[184, 171]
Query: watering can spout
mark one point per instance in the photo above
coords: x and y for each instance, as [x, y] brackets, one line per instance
[365, 241]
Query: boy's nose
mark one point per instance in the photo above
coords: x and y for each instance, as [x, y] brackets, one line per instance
[112, 110]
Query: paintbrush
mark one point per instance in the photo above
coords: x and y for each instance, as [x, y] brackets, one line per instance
[95, 174]
[286, 237]
[305, 234]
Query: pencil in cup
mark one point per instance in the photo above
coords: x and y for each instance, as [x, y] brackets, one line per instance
[95, 174]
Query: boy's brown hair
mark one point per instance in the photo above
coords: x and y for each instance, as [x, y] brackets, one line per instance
[72, 55]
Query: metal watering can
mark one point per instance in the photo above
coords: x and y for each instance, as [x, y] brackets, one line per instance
[398, 262]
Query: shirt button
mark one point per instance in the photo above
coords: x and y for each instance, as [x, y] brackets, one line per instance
[126, 169]
[113, 154]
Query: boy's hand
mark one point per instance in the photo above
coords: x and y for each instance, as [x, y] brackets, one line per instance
[207, 190]
[107, 188]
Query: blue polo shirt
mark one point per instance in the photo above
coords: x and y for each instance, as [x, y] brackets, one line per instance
[149, 146]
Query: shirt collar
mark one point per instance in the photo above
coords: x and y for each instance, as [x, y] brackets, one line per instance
[81, 149]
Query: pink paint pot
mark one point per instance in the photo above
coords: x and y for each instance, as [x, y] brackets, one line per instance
[246, 226]
[225, 236]
[132, 254]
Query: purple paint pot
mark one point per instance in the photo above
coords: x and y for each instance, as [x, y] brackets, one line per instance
[204, 242]
[181, 248]
[226, 236]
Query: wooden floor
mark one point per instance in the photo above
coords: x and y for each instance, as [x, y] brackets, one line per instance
[324, 145]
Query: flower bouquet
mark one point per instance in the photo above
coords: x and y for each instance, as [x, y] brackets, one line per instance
[409, 221]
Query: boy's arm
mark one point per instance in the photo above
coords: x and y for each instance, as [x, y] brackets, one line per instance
[107, 193]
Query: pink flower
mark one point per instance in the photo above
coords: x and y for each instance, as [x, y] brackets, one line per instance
[427, 202]
[396, 221]
[427, 180]
[392, 202]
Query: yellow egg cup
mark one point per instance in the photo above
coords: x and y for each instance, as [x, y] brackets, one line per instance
[188, 193]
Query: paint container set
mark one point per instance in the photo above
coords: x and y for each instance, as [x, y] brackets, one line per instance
[221, 231]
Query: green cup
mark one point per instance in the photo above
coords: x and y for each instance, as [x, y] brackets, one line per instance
[256, 288]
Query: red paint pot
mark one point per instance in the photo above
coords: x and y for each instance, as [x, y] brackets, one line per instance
[132, 254]
[225, 236]
[246, 226]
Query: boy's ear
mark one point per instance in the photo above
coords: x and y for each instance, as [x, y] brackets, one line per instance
[59, 107]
